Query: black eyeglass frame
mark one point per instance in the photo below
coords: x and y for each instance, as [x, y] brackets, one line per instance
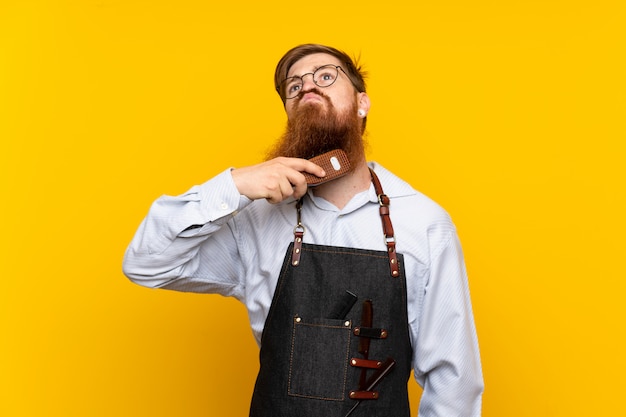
[301, 77]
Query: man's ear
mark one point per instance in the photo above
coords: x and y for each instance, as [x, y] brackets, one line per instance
[363, 102]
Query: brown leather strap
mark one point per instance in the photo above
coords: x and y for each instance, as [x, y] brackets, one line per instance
[365, 363]
[364, 395]
[390, 239]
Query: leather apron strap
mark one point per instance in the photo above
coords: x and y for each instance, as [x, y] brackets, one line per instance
[390, 239]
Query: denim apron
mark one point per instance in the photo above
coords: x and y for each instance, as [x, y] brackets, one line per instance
[336, 339]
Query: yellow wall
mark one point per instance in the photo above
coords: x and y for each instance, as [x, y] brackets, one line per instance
[510, 114]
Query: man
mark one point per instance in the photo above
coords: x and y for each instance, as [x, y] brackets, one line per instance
[372, 284]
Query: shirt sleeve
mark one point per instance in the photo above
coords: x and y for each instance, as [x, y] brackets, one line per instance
[446, 358]
[186, 242]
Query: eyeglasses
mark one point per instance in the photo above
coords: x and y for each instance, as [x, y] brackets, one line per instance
[324, 76]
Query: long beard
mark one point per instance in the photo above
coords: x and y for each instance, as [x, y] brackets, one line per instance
[314, 129]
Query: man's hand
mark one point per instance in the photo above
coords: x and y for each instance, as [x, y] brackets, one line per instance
[275, 180]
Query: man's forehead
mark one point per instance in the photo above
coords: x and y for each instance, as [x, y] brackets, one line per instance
[310, 63]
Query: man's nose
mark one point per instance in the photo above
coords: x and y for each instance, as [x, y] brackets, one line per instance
[308, 83]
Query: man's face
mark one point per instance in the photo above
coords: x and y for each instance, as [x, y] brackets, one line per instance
[322, 118]
[341, 94]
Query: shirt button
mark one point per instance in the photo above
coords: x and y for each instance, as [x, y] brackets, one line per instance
[224, 206]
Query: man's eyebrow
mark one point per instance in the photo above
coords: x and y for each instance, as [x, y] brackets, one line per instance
[309, 72]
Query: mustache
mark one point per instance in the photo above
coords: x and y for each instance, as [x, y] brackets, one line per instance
[302, 93]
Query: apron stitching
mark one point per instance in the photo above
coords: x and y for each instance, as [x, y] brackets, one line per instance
[346, 360]
[347, 253]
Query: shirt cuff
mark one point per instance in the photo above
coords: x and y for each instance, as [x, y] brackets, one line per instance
[220, 198]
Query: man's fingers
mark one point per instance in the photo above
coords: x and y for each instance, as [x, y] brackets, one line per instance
[303, 165]
[275, 180]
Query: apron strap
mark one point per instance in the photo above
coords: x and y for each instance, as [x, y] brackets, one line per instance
[390, 239]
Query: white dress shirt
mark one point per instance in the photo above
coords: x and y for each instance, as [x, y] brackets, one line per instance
[214, 240]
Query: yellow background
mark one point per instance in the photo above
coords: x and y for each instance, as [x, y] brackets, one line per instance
[510, 114]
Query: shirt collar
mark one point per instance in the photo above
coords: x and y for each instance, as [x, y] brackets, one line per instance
[393, 187]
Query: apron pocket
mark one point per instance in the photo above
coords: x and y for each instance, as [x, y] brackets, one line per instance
[319, 359]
